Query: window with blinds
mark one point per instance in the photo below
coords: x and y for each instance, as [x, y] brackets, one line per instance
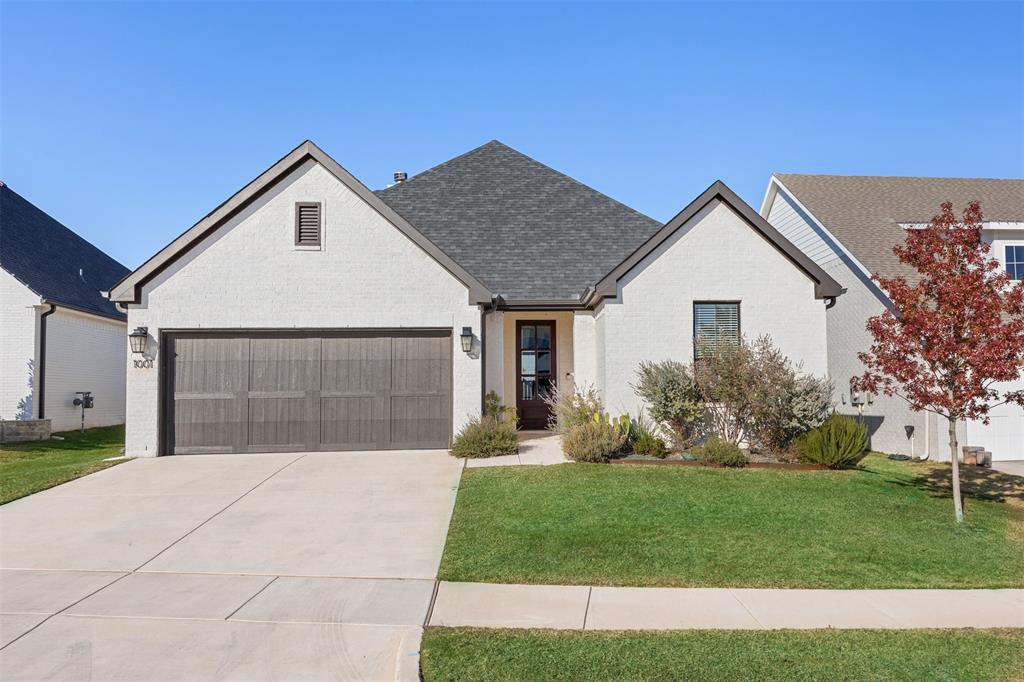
[715, 325]
[307, 223]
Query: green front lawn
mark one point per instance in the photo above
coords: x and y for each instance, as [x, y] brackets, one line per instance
[793, 655]
[27, 468]
[888, 524]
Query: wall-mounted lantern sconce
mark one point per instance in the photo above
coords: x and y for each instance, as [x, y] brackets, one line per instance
[137, 339]
[467, 339]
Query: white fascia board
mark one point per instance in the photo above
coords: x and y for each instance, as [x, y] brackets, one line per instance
[833, 242]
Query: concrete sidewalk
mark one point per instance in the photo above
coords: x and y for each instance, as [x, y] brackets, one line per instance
[569, 607]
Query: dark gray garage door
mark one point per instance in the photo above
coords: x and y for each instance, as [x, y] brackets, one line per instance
[263, 392]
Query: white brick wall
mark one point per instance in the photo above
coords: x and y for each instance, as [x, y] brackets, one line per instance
[714, 256]
[584, 337]
[249, 275]
[84, 353]
[18, 323]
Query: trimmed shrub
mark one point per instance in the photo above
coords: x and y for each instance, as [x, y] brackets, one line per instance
[486, 437]
[596, 440]
[721, 452]
[839, 442]
[649, 444]
[673, 399]
[571, 408]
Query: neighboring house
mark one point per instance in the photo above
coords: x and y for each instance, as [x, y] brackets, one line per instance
[310, 313]
[58, 334]
[849, 226]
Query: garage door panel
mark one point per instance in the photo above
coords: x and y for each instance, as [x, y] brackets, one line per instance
[356, 365]
[278, 423]
[210, 380]
[352, 423]
[284, 364]
[421, 365]
[207, 425]
[211, 365]
[419, 421]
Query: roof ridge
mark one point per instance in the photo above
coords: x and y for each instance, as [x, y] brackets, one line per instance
[893, 177]
[444, 163]
[541, 164]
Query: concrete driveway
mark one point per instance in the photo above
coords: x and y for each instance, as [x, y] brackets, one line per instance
[281, 566]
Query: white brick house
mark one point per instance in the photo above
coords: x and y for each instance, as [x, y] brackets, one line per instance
[848, 225]
[308, 312]
[58, 334]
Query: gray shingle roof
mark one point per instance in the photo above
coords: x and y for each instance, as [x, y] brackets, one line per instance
[47, 257]
[525, 230]
[865, 212]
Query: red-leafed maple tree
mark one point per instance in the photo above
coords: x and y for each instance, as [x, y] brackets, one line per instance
[953, 335]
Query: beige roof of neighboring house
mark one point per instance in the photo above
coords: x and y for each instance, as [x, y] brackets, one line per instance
[865, 212]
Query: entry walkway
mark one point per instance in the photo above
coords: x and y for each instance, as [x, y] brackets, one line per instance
[567, 607]
[535, 447]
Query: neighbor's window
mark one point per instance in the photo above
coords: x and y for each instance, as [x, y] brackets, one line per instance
[308, 224]
[715, 325]
[1015, 261]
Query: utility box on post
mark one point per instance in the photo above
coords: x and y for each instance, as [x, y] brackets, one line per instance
[85, 401]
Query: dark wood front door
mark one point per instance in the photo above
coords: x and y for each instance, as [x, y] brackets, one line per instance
[535, 371]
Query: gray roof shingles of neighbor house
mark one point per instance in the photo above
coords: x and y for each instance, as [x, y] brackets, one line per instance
[865, 213]
[525, 230]
[53, 261]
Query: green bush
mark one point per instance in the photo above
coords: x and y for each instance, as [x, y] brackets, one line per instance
[649, 444]
[596, 440]
[571, 408]
[839, 442]
[721, 452]
[673, 398]
[486, 437]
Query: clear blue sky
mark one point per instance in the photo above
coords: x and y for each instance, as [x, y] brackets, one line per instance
[128, 122]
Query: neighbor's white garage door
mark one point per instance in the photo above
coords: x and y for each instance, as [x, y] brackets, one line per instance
[1004, 435]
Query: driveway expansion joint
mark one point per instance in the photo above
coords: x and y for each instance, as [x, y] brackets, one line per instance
[218, 513]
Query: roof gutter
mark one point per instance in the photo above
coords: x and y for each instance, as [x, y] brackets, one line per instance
[501, 303]
[41, 411]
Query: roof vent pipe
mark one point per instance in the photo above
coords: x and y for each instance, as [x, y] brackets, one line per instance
[401, 176]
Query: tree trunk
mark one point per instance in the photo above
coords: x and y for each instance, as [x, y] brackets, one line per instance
[958, 503]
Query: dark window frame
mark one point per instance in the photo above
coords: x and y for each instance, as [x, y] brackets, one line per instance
[739, 321]
[299, 205]
[1016, 263]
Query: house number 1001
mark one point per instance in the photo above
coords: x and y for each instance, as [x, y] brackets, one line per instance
[144, 364]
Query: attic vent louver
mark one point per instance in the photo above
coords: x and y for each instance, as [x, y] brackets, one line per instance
[307, 223]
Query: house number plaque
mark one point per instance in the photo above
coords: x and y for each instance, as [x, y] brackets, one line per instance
[146, 363]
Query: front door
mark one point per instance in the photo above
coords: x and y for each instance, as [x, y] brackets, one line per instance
[535, 367]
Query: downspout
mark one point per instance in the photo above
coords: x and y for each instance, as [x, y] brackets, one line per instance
[927, 435]
[41, 412]
[829, 302]
[483, 358]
